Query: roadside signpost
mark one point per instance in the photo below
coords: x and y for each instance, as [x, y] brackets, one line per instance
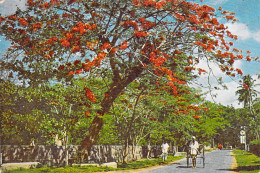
[243, 137]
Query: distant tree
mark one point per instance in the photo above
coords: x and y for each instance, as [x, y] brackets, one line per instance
[247, 93]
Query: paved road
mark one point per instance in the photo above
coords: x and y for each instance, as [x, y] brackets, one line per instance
[218, 161]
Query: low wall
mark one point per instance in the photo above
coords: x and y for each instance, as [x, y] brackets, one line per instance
[54, 155]
[51, 155]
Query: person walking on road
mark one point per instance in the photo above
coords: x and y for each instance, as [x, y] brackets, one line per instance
[194, 145]
[165, 148]
[220, 146]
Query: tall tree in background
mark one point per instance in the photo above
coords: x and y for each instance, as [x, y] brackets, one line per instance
[117, 41]
[246, 92]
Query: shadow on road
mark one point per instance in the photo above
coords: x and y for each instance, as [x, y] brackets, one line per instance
[243, 168]
[184, 166]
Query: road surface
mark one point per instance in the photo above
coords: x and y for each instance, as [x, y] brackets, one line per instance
[218, 161]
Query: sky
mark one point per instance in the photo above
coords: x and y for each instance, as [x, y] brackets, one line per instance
[247, 29]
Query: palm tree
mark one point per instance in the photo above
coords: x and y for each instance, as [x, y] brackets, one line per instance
[247, 92]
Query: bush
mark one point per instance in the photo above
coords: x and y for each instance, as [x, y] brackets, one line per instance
[254, 147]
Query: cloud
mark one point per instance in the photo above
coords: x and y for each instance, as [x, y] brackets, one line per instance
[229, 97]
[256, 36]
[217, 2]
[224, 97]
[215, 69]
[239, 29]
[10, 6]
[243, 32]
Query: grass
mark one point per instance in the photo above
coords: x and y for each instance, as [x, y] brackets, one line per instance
[143, 163]
[247, 162]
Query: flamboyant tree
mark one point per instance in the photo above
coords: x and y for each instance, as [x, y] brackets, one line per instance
[117, 41]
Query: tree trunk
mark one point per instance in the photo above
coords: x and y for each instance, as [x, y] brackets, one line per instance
[115, 89]
[92, 137]
[126, 151]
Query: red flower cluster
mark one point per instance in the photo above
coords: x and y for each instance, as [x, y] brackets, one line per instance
[137, 3]
[90, 95]
[189, 69]
[105, 46]
[65, 15]
[75, 49]
[61, 67]
[128, 24]
[145, 24]
[245, 86]
[149, 3]
[70, 73]
[65, 42]
[12, 17]
[76, 62]
[86, 114]
[174, 88]
[157, 61]
[46, 5]
[78, 71]
[201, 70]
[239, 71]
[114, 50]
[30, 2]
[201, 44]
[53, 2]
[37, 26]
[101, 55]
[196, 116]
[123, 45]
[82, 28]
[160, 4]
[51, 40]
[139, 34]
[23, 22]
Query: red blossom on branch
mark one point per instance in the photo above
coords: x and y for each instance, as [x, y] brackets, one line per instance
[23, 22]
[37, 26]
[139, 34]
[245, 86]
[70, 73]
[105, 46]
[123, 45]
[239, 71]
[90, 95]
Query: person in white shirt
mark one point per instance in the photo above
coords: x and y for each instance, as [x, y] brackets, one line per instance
[194, 146]
[165, 148]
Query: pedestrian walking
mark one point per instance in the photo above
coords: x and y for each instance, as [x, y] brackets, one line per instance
[149, 148]
[165, 148]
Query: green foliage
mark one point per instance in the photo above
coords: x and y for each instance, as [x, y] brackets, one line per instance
[147, 163]
[41, 113]
[247, 162]
[73, 169]
[254, 142]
